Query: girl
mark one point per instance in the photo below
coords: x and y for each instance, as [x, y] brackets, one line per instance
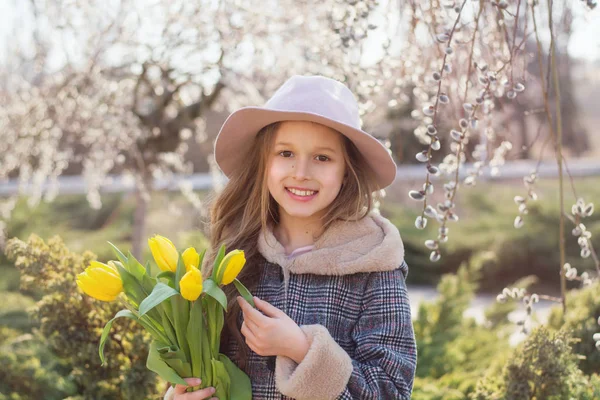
[333, 318]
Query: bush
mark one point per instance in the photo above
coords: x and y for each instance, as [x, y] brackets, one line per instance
[453, 351]
[544, 367]
[581, 319]
[69, 325]
[30, 370]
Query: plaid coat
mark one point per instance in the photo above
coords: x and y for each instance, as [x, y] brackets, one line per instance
[349, 296]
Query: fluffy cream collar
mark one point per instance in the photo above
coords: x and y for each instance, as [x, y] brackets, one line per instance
[347, 247]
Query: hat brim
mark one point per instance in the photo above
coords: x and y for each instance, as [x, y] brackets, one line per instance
[240, 129]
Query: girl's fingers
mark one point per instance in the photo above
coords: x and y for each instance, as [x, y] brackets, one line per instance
[251, 325]
[249, 311]
[197, 395]
[179, 389]
[269, 309]
[246, 331]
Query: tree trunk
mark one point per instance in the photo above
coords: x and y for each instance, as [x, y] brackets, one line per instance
[142, 200]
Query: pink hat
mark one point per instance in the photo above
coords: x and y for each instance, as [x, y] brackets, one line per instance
[303, 98]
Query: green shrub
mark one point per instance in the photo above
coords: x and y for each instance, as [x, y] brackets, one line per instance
[69, 325]
[543, 367]
[30, 370]
[583, 311]
[453, 351]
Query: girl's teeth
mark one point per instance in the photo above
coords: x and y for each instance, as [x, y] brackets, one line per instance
[302, 192]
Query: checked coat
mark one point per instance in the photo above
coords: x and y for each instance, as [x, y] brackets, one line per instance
[349, 296]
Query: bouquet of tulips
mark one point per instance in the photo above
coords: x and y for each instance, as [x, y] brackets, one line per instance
[183, 313]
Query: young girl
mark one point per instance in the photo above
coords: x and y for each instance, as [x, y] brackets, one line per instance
[333, 318]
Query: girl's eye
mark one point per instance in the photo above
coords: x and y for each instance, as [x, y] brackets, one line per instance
[322, 158]
[285, 153]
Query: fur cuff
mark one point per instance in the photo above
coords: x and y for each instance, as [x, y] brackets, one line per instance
[170, 395]
[324, 372]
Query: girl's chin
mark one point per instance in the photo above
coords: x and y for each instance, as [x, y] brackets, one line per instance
[300, 213]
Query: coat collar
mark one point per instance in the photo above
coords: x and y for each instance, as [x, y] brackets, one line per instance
[347, 247]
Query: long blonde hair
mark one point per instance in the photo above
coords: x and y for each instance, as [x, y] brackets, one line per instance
[245, 208]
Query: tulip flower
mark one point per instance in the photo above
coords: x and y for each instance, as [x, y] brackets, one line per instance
[191, 284]
[191, 258]
[231, 266]
[164, 253]
[100, 281]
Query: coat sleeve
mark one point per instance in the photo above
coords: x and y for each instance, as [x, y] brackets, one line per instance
[385, 359]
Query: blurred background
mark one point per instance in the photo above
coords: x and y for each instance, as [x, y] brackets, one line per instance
[109, 110]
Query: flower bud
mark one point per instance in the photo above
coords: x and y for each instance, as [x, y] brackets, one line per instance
[433, 170]
[431, 244]
[422, 156]
[416, 195]
[430, 211]
[518, 222]
[190, 284]
[164, 253]
[442, 37]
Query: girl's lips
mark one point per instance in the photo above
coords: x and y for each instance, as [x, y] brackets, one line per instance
[301, 198]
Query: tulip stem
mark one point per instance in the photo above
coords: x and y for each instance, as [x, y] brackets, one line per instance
[147, 322]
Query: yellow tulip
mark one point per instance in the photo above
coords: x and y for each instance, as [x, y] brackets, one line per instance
[231, 266]
[164, 253]
[190, 284]
[100, 281]
[191, 258]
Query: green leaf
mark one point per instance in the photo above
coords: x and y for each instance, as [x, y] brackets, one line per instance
[108, 326]
[214, 291]
[181, 316]
[169, 276]
[166, 274]
[148, 268]
[168, 326]
[131, 286]
[134, 266]
[201, 259]
[160, 293]
[195, 330]
[180, 272]
[242, 389]
[222, 380]
[206, 352]
[118, 253]
[218, 259]
[244, 292]
[156, 364]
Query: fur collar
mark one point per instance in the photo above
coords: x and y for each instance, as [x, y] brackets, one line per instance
[347, 247]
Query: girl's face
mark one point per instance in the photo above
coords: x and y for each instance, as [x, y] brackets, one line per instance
[305, 168]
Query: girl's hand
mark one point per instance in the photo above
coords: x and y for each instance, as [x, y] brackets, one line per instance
[274, 333]
[202, 394]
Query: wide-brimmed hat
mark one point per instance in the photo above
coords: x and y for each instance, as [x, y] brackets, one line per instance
[303, 98]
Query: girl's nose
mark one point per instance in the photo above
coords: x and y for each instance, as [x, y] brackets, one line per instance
[301, 169]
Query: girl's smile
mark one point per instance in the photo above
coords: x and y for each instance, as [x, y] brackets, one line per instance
[301, 194]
